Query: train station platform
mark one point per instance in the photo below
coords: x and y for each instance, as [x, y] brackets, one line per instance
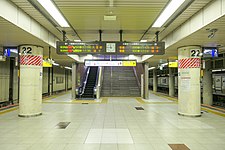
[111, 123]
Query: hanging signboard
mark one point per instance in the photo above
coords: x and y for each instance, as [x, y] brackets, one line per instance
[110, 63]
[138, 48]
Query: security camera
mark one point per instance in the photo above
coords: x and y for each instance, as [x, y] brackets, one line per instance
[212, 33]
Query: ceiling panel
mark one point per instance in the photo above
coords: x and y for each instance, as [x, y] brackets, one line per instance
[198, 38]
[11, 35]
[35, 14]
[132, 15]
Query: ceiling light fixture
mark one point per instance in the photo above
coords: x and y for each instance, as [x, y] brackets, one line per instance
[143, 40]
[55, 64]
[168, 12]
[50, 7]
[77, 40]
[151, 68]
[68, 68]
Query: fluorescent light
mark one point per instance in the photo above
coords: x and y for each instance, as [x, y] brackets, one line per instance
[168, 12]
[109, 18]
[151, 68]
[55, 64]
[54, 12]
[68, 68]
[217, 70]
[143, 41]
[165, 64]
[77, 40]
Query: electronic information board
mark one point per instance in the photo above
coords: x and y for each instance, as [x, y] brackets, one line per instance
[110, 63]
[80, 47]
[146, 48]
[136, 48]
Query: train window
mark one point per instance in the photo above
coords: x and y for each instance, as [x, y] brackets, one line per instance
[219, 64]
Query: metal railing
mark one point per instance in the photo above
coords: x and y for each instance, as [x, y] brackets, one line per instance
[138, 82]
[83, 85]
[98, 86]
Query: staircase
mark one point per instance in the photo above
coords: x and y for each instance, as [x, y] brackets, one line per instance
[89, 88]
[119, 81]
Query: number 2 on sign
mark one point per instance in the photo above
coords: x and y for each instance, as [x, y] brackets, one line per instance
[26, 50]
[195, 53]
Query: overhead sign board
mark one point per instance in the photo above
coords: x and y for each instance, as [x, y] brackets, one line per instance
[173, 64]
[46, 64]
[80, 47]
[147, 48]
[110, 47]
[110, 63]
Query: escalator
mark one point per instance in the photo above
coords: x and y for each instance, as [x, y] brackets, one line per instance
[88, 89]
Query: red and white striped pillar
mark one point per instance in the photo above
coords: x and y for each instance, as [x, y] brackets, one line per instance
[30, 99]
[189, 89]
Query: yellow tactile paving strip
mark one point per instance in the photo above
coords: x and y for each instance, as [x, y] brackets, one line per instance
[213, 111]
[8, 110]
[165, 96]
[202, 108]
[140, 100]
[104, 100]
[54, 96]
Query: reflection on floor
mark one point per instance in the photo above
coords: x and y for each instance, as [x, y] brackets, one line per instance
[114, 125]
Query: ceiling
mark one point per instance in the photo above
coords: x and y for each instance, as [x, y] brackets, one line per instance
[134, 17]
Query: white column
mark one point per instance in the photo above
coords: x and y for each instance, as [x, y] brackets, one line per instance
[74, 79]
[30, 100]
[207, 84]
[142, 85]
[189, 95]
[146, 89]
[171, 82]
[155, 81]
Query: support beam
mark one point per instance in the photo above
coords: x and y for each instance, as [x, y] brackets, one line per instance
[146, 74]
[189, 93]
[171, 83]
[74, 79]
[100, 35]
[121, 35]
[155, 80]
[207, 84]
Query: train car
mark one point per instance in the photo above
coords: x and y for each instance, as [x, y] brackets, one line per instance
[219, 89]
[163, 84]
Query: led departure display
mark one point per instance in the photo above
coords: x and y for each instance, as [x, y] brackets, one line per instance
[110, 63]
[80, 47]
[136, 48]
[147, 48]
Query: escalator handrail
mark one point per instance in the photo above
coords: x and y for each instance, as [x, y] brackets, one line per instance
[83, 86]
[96, 80]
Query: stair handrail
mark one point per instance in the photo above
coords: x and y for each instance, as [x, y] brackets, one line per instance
[138, 82]
[97, 88]
[85, 82]
[96, 82]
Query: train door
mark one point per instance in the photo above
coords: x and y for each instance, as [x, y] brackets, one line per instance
[218, 83]
[223, 84]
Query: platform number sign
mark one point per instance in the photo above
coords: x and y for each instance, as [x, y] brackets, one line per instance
[26, 50]
[195, 53]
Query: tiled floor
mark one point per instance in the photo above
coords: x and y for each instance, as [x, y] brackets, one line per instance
[116, 125]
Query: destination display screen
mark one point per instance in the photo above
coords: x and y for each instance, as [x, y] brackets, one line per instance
[126, 48]
[80, 47]
[110, 63]
[147, 48]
